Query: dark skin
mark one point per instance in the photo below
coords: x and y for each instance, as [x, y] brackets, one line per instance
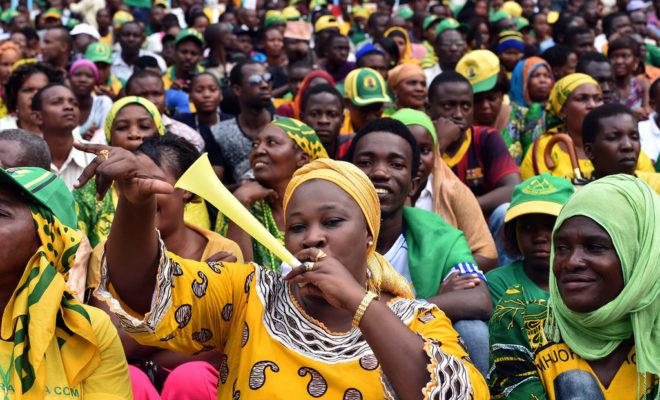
[316, 216]
[450, 46]
[362, 115]
[58, 117]
[336, 54]
[253, 98]
[533, 236]
[584, 98]
[375, 61]
[186, 56]
[82, 84]
[274, 158]
[131, 37]
[427, 154]
[324, 114]
[18, 233]
[387, 160]
[588, 273]
[603, 74]
[454, 102]
[616, 147]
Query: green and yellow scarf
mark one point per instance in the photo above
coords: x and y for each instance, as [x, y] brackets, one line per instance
[128, 100]
[42, 309]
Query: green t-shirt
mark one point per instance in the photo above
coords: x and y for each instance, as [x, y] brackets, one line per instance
[502, 278]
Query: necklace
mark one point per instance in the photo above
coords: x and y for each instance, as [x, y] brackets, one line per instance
[6, 376]
[271, 226]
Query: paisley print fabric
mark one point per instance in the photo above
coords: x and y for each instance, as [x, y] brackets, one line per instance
[272, 348]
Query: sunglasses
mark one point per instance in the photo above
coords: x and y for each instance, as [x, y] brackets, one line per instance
[257, 79]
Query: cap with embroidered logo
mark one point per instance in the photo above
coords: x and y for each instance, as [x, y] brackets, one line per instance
[481, 68]
[542, 194]
[365, 86]
[189, 33]
[44, 188]
[326, 22]
[99, 52]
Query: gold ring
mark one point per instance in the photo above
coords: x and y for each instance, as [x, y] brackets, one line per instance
[105, 153]
[320, 255]
[309, 266]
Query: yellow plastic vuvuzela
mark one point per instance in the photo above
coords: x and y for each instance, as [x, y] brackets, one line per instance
[201, 180]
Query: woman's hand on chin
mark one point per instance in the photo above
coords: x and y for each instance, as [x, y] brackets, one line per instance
[252, 191]
[328, 279]
[136, 177]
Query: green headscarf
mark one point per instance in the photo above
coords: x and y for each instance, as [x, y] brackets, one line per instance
[128, 100]
[409, 116]
[635, 232]
[303, 135]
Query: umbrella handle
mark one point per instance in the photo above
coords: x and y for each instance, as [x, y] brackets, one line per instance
[572, 153]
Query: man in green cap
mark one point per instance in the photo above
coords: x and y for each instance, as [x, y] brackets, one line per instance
[101, 55]
[366, 93]
[448, 48]
[189, 45]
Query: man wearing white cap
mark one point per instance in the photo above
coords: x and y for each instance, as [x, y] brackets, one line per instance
[83, 35]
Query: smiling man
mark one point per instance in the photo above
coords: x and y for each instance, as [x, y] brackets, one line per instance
[611, 140]
[55, 111]
[431, 254]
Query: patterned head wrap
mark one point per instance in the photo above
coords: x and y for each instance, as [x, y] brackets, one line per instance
[42, 308]
[125, 101]
[382, 277]
[559, 94]
[408, 117]
[84, 64]
[520, 79]
[635, 232]
[402, 72]
[303, 135]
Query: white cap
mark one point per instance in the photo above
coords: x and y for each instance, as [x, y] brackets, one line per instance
[86, 29]
[637, 5]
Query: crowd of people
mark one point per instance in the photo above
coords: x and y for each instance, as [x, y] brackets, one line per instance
[471, 188]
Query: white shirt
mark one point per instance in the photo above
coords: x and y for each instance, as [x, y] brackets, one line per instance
[124, 71]
[431, 73]
[425, 199]
[397, 255]
[73, 166]
[649, 136]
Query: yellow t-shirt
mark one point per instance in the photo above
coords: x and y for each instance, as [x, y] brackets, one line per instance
[110, 379]
[562, 161]
[651, 178]
[271, 348]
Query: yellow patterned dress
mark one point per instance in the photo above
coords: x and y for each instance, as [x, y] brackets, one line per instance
[271, 348]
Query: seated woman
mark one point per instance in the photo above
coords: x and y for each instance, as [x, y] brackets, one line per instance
[408, 85]
[440, 191]
[571, 99]
[22, 84]
[50, 340]
[317, 332]
[83, 78]
[596, 335]
[173, 155]
[280, 149]
[130, 120]
[632, 89]
[528, 224]
[400, 36]
[531, 82]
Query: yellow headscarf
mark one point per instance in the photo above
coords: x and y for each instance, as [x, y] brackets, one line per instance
[303, 135]
[559, 94]
[357, 185]
[42, 308]
[406, 57]
[123, 102]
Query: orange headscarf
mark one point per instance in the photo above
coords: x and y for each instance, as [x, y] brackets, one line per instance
[402, 72]
[297, 101]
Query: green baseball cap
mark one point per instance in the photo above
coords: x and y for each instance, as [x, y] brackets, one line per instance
[44, 188]
[481, 68]
[521, 23]
[364, 86]
[99, 52]
[446, 24]
[405, 12]
[542, 194]
[189, 33]
[7, 15]
[498, 15]
[53, 13]
[430, 20]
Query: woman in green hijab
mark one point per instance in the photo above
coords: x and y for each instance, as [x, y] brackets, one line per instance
[598, 335]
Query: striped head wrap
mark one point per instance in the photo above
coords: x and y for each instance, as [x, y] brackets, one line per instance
[510, 40]
[559, 94]
[303, 135]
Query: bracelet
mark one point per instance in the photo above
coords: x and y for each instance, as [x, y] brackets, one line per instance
[366, 300]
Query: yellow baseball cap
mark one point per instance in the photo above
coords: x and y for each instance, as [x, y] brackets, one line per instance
[291, 13]
[326, 22]
[481, 68]
[514, 9]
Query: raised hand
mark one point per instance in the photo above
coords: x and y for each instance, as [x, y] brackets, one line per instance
[251, 191]
[136, 177]
[328, 278]
[448, 132]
